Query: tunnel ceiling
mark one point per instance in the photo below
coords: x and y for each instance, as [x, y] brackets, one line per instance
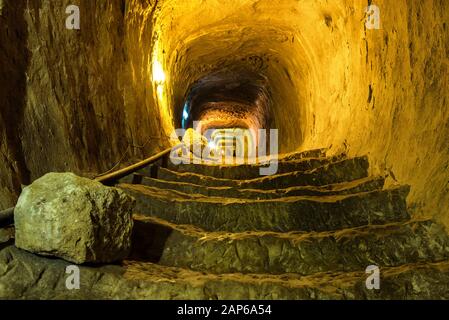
[238, 59]
[229, 98]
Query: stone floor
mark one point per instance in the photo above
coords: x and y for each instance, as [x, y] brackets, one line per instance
[308, 232]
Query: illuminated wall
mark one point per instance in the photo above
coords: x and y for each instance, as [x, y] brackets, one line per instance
[122, 81]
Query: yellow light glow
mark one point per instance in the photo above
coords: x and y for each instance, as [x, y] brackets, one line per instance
[158, 72]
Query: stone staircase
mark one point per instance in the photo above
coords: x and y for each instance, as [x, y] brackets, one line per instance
[218, 232]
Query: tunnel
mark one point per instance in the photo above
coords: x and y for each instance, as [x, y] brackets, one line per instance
[371, 97]
[250, 67]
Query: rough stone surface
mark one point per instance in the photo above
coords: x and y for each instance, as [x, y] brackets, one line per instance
[378, 92]
[334, 172]
[298, 155]
[185, 255]
[74, 100]
[356, 186]
[6, 234]
[70, 102]
[78, 100]
[286, 214]
[26, 276]
[300, 253]
[252, 171]
[74, 218]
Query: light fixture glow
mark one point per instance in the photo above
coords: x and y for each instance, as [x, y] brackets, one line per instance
[185, 114]
[158, 72]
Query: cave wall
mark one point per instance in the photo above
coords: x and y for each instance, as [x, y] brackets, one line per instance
[389, 97]
[76, 100]
[333, 82]
[13, 64]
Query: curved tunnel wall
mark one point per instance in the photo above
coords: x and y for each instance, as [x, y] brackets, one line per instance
[331, 82]
[255, 50]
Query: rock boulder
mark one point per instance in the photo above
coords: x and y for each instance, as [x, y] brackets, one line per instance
[74, 218]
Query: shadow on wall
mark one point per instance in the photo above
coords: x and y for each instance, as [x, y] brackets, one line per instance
[14, 61]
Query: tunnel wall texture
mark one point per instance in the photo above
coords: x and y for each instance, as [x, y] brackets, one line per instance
[76, 100]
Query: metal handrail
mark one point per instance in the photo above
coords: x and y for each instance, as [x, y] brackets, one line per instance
[112, 177]
[7, 216]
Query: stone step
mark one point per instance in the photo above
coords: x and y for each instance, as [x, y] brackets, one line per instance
[277, 253]
[152, 170]
[295, 155]
[282, 215]
[356, 186]
[336, 172]
[252, 171]
[27, 276]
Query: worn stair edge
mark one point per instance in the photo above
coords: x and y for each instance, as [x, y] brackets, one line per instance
[26, 276]
[302, 253]
[283, 215]
[297, 155]
[345, 170]
[343, 188]
[290, 156]
[252, 171]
